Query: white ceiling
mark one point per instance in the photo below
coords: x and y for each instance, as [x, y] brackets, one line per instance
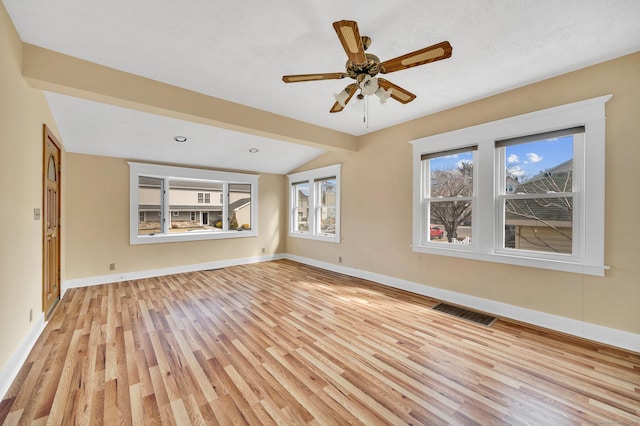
[239, 50]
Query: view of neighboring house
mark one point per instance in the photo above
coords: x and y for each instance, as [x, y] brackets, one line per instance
[511, 184]
[303, 208]
[193, 205]
[542, 224]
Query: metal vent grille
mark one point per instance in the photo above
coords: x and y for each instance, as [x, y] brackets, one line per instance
[466, 314]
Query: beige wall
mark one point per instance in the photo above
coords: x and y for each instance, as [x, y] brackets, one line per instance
[22, 113]
[378, 239]
[97, 219]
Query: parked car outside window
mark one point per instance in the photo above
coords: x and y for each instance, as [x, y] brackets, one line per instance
[436, 232]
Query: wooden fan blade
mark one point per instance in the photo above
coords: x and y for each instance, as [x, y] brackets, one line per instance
[351, 90]
[419, 57]
[397, 92]
[312, 77]
[351, 42]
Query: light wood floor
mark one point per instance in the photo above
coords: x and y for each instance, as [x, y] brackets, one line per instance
[284, 343]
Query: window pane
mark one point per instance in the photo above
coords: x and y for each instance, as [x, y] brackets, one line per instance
[188, 213]
[301, 191]
[540, 224]
[240, 206]
[327, 191]
[451, 221]
[539, 167]
[328, 220]
[451, 175]
[149, 205]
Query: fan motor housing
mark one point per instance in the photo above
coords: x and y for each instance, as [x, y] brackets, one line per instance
[371, 67]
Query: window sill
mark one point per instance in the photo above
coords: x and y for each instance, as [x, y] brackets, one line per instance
[194, 236]
[307, 236]
[465, 252]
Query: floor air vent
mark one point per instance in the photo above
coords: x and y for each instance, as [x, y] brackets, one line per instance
[466, 314]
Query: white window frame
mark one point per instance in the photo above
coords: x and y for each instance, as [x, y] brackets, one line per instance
[182, 173]
[589, 165]
[313, 176]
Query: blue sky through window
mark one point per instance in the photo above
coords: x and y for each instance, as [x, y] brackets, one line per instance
[529, 159]
[523, 160]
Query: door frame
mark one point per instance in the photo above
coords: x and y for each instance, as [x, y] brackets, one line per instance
[48, 136]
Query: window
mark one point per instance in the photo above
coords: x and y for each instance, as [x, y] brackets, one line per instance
[314, 204]
[168, 204]
[516, 191]
[538, 213]
[448, 197]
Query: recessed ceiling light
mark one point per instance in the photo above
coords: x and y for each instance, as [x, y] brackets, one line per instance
[180, 139]
[253, 150]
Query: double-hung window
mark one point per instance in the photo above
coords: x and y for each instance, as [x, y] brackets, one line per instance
[170, 204]
[314, 204]
[526, 190]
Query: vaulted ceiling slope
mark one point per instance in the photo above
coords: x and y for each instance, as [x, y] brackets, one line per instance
[237, 52]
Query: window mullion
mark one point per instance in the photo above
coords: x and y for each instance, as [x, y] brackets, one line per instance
[483, 198]
[164, 211]
[225, 206]
[313, 207]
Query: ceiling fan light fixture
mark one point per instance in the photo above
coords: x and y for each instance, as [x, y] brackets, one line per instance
[383, 94]
[368, 85]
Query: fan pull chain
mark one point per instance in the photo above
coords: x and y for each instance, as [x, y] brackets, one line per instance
[365, 115]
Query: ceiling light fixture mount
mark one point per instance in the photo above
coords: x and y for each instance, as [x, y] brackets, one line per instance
[180, 139]
[253, 150]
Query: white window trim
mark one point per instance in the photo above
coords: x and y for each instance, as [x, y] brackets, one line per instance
[590, 113]
[171, 172]
[311, 176]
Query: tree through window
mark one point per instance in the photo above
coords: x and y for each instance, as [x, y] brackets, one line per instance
[449, 201]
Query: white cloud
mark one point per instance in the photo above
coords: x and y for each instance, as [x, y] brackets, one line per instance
[516, 171]
[513, 158]
[533, 157]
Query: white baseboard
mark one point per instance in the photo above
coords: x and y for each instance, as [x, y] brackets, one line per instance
[597, 333]
[11, 370]
[105, 279]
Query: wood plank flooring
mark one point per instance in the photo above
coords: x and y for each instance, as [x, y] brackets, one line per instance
[284, 343]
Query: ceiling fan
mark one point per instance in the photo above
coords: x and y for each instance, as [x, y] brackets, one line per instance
[363, 67]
